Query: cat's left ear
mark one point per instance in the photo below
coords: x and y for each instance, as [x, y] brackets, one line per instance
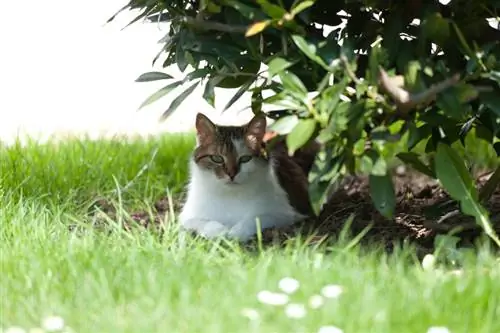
[256, 129]
[205, 128]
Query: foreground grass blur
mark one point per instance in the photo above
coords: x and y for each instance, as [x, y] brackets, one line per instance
[117, 281]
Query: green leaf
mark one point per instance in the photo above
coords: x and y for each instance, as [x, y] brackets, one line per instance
[153, 76]
[413, 160]
[293, 85]
[285, 124]
[178, 100]
[330, 97]
[209, 92]
[448, 101]
[463, 41]
[310, 50]
[301, 6]
[243, 89]
[274, 11]
[382, 193]
[411, 75]
[453, 175]
[257, 28]
[160, 93]
[277, 65]
[492, 100]
[300, 135]
[436, 27]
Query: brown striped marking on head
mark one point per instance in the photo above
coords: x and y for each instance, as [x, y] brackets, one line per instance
[227, 150]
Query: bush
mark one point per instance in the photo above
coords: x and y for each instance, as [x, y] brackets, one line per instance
[371, 80]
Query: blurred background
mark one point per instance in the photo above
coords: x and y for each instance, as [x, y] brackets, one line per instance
[64, 71]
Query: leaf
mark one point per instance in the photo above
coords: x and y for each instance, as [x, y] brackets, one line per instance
[293, 84]
[301, 7]
[153, 76]
[453, 175]
[300, 135]
[462, 40]
[145, 13]
[209, 93]
[243, 89]
[492, 100]
[436, 27]
[448, 101]
[272, 10]
[285, 124]
[277, 65]
[256, 28]
[160, 93]
[180, 55]
[129, 4]
[178, 100]
[413, 160]
[310, 50]
[382, 193]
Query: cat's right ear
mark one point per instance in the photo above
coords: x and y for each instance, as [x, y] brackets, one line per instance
[205, 128]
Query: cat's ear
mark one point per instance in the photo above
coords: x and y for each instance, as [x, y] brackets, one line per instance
[205, 128]
[256, 129]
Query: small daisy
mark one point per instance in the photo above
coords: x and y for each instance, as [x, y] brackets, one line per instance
[53, 324]
[330, 329]
[15, 329]
[438, 329]
[332, 291]
[288, 285]
[36, 330]
[295, 311]
[429, 262]
[316, 301]
[272, 298]
[251, 314]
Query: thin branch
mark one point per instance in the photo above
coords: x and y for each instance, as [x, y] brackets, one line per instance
[406, 100]
[215, 26]
[491, 185]
[349, 70]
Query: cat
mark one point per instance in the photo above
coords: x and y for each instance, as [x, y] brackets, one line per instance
[237, 180]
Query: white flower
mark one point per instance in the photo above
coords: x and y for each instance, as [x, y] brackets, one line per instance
[251, 314]
[332, 291]
[53, 324]
[15, 329]
[288, 285]
[429, 262]
[36, 330]
[438, 329]
[316, 301]
[330, 329]
[295, 311]
[271, 298]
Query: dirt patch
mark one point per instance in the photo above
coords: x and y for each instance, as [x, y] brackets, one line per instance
[423, 210]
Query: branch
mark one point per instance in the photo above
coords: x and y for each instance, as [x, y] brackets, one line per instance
[211, 25]
[406, 100]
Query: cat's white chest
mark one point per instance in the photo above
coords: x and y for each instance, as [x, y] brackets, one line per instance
[211, 200]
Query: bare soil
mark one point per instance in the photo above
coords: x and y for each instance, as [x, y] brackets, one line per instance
[423, 210]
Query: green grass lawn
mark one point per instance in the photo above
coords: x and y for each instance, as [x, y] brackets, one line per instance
[109, 280]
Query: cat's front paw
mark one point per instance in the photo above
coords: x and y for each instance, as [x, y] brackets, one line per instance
[212, 229]
[242, 231]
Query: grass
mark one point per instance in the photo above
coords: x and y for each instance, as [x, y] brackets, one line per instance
[137, 281]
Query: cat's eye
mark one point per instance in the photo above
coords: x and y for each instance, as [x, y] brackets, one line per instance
[245, 158]
[217, 159]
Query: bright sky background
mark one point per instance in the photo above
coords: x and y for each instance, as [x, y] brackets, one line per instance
[62, 69]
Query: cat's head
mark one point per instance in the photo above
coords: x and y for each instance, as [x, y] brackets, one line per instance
[230, 154]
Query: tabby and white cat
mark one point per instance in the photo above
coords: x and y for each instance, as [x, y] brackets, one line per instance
[236, 180]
